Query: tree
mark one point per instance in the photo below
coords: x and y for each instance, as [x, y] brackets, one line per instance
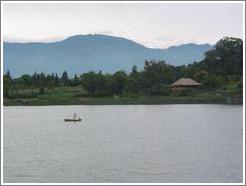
[8, 76]
[226, 58]
[27, 80]
[155, 74]
[6, 84]
[120, 82]
[134, 84]
[134, 69]
[200, 76]
[50, 81]
[56, 83]
[93, 83]
[64, 78]
[109, 83]
[75, 80]
[41, 82]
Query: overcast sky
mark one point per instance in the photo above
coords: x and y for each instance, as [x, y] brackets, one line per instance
[153, 25]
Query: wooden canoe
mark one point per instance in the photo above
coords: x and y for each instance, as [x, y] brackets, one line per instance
[72, 120]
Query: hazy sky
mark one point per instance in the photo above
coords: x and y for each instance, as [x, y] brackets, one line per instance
[153, 25]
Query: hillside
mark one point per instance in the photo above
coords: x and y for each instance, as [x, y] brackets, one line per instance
[82, 53]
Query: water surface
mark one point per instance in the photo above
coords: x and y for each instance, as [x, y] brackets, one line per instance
[134, 143]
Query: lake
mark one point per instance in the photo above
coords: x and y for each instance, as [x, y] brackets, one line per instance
[123, 143]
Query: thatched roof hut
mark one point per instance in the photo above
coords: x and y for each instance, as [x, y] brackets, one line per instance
[183, 83]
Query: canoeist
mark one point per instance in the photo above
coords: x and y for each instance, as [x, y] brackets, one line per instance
[74, 119]
[74, 116]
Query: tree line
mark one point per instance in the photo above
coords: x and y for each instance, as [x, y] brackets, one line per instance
[221, 68]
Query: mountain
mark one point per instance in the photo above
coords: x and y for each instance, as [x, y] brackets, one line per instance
[82, 53]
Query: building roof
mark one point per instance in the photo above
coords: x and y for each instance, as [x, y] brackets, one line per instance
[185, 82]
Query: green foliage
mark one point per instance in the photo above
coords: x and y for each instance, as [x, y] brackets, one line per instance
[134, 70]
[213, 81]
[200, 76]
[64, 78]
[7, 84]
[27, 78]
[225, 58]
[134, 84]
[155, 74]
[41, 90]
[184, 92]
[221, 70]
[75, 81]
[234, 89]
[165, 90]
[120, 81]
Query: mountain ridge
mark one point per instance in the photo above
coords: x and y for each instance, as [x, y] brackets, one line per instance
[81, 35]
[81, 53]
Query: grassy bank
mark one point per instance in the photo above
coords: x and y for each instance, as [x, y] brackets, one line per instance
[72, 96]
[116, 101]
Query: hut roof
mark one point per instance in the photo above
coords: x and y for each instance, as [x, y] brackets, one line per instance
[185, 82]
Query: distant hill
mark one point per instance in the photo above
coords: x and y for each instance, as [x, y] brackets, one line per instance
[82, 53]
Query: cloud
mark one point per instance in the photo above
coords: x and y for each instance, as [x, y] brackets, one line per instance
[105, 32]
[153, 25]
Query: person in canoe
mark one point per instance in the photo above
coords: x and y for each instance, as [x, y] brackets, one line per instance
[75, 116]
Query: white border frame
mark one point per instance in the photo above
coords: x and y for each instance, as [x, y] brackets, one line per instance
[122, 2]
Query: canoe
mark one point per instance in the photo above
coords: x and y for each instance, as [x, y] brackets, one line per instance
[72, 120]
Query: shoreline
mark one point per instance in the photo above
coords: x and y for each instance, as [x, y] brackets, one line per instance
[141, 100]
